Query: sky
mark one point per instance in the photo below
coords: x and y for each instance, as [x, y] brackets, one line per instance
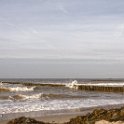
[61, 38]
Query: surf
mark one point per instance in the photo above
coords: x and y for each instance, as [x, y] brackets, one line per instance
[16, 89]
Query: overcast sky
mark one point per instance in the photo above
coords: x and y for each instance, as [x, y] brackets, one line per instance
[85, 37]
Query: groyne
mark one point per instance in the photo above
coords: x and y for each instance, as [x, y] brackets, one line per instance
[100, 88]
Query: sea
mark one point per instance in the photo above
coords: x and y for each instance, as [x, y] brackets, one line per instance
[19, 99]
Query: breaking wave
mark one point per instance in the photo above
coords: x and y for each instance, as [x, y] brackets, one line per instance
[16, 89]
[73, 84]
[22, 89]
[60, 96]
[77, 105]
[1, 83]
[25, 97]
[40, 96]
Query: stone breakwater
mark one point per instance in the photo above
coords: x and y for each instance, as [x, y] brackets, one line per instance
[111, 115]
[101, 88]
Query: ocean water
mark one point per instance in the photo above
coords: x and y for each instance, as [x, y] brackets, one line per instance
[17, 98]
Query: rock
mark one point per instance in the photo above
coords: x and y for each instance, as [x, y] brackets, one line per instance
[122, 111]
[24, 120]
[99, 114]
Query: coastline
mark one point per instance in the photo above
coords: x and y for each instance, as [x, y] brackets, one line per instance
[61, 118]
[65, 117]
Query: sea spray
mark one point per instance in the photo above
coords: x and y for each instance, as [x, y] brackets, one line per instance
[72, 85]
[16, 89]
[1, 83]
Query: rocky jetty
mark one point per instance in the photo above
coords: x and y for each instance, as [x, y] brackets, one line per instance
[111, 115]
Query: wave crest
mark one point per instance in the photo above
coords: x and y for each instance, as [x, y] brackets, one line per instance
[16, 89]
[22, 89]
[39, 96]
[25, 97]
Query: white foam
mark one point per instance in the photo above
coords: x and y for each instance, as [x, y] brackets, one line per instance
[25, 97]
[73, 84]
[35, 96]
[15, 107]
[1, 84]
[16, 89]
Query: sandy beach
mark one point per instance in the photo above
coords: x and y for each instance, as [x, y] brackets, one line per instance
[106, 122]
[65, 118]
[52, 118]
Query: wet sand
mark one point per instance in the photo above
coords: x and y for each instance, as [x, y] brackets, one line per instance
[52, 118]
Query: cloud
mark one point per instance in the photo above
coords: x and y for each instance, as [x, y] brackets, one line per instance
[62, 29]
[62, 9]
